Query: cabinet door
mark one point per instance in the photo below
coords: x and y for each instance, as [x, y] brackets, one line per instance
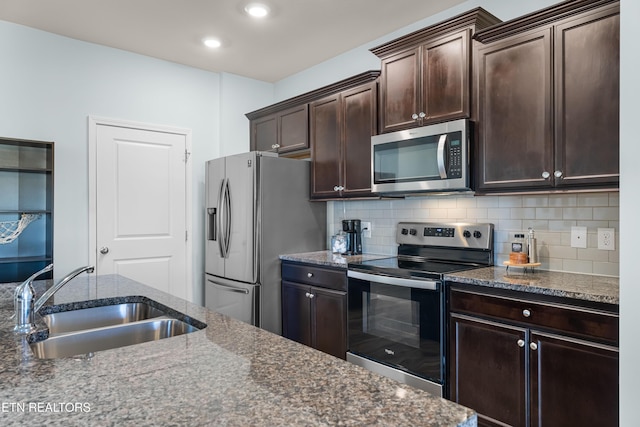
[515, 113]
[296, 313]
[587, 58]
[573, 382]
[329, 320]
[325, 146]
[293, 129]
[358, 125]
[264, 133]
[400, 91]
[487, 363]
[445, 74]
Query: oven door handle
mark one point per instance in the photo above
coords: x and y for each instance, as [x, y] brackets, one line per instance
[429, 285]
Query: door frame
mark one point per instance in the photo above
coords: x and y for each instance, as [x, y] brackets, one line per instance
[93, 123]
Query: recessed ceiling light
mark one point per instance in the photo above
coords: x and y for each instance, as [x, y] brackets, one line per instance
[257, 10]
[212, 43]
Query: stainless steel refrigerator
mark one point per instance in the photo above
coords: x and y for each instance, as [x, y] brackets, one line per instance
[257, 208]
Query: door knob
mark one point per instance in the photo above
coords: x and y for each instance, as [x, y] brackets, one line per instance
[104, 250]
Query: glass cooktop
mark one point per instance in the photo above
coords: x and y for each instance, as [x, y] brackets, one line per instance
[399, 267]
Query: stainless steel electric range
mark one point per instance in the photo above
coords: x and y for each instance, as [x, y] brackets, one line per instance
[396, 322]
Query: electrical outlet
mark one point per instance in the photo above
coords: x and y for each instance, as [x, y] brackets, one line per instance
[578, 237]
[366, 229]
[606, 239]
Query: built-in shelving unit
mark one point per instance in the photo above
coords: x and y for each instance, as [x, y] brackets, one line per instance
[26, 187]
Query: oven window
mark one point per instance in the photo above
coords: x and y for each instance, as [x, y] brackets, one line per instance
[398, 326]
[392, 317]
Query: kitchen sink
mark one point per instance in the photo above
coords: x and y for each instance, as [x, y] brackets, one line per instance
[96, 317]
[84, 331]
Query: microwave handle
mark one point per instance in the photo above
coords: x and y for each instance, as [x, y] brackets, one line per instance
[442, 142]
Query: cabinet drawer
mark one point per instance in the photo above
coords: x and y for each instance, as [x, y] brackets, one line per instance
[577, 321]
[316, 276]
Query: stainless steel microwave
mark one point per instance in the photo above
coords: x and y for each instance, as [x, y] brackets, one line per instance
[432, 158]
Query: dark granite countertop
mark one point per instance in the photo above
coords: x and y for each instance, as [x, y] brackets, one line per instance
[600, 289]
[329, 259]
[229, 373]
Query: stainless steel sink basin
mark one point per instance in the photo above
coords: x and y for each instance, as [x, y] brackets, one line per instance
[109, 325]
[97, 317]
[82, 342]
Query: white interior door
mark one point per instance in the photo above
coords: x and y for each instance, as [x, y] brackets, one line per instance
[140, 206]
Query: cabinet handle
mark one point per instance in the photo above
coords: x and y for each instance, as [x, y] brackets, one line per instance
[309, 295]
[557, 174]
[520, 343]
[526, 313]
[533, 346]
[309, 275]
[546, 175]
[338, 188]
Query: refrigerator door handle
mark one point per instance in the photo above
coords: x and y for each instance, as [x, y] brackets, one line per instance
[221, 214]
[227, 219]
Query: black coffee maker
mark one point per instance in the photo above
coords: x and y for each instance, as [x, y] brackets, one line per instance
[353, 229]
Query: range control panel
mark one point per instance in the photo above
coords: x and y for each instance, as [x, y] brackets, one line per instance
[456, 235]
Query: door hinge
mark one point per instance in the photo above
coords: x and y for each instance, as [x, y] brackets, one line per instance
[186, 235]
[186, 156]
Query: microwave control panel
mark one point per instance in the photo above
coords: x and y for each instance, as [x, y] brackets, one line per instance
[455, 156]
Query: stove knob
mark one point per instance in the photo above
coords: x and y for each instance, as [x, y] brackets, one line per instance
[413, 232]
[466, 233]
[404, 231]
[477, 234]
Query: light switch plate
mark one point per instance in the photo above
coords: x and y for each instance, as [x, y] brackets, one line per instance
[578, 237]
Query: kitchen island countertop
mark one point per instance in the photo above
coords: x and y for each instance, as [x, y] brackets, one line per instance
[229, 373]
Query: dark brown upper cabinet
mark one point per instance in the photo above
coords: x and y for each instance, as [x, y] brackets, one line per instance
[548, 100]
[284, 131]
[426, 75]
[341, 126]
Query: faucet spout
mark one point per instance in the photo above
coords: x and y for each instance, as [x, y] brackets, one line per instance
[23, 302]
[55, 288]
[25, 308]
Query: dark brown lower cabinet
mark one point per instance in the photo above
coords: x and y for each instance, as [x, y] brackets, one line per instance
[521, 370]
[312, 314]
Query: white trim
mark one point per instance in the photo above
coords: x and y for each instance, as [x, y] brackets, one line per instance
[93, 123]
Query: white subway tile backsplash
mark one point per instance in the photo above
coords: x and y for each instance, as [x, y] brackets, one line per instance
[551, 216]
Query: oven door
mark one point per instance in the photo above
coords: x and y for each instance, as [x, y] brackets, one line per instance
[397, 322]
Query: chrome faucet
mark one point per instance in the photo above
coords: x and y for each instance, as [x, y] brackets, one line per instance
[23, 298]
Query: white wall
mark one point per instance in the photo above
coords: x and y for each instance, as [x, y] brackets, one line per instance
[50, 84]
[629, 208]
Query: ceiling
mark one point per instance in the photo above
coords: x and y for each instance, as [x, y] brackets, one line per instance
[297, 35]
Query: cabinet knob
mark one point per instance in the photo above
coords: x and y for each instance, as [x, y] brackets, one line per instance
[526, 313]
[309, 295]
[422, 115]
[520, 343]
[557, 174]
[546, 175]
[104, 250]
[533, 346]
[309, 275]
[414, 116]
